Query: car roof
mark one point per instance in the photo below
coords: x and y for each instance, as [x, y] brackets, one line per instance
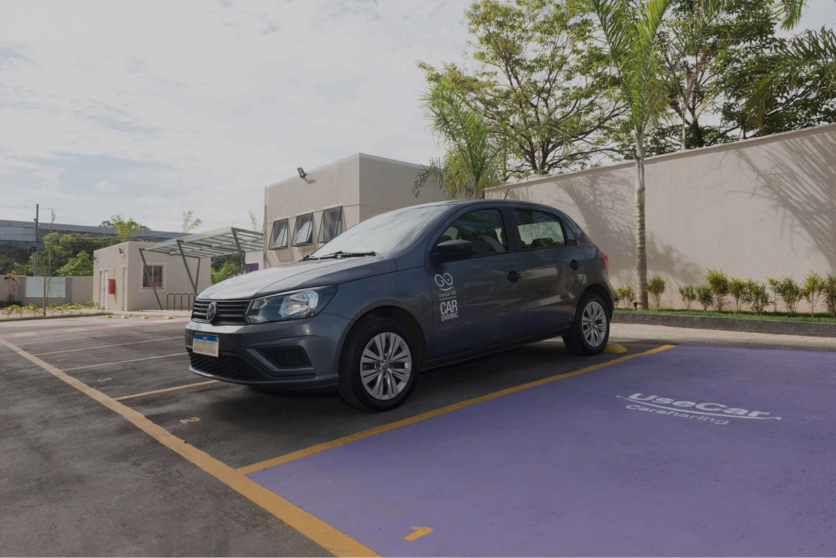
[464, 203]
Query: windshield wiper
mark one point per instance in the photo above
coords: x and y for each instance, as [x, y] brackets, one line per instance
[339, 255]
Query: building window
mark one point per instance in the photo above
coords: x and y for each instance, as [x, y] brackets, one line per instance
[332, 224]
[156, 272]
[303, 234]
[279, 234]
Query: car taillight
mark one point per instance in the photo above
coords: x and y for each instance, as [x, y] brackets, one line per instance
[606, 262]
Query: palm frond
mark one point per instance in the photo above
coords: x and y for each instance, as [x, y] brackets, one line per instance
[789, 12]
[471, 161]
[806, 61]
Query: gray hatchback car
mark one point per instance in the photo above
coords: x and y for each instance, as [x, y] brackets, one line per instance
[406, 291]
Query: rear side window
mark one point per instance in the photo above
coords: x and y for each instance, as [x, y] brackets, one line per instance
[484, 229]
[538, 229]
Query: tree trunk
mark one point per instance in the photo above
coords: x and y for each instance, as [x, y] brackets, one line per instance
[683, 133]
[641, 236]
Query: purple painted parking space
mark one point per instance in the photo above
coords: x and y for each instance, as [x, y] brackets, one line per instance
[575, 467]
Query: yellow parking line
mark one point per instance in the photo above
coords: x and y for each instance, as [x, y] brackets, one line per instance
[164, 390]
[124, 361]
[332, 540]
[111, 345]
[418, 418]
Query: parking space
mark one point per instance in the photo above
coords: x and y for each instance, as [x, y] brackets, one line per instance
[684, 450]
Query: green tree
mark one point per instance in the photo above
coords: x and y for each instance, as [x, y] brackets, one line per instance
[125, 229]
[714, 51]
[473, 160]
[799, 75]
[79, 266]
[540, 82]
[691, 42]
[61, 249]
[631, 32]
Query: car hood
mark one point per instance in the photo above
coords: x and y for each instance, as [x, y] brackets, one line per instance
[298, 275]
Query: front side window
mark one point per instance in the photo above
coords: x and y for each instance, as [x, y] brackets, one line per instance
[483, 228]
[332, 224]
[538, 229]
[279, 234]
[304, 230]
[156, 272]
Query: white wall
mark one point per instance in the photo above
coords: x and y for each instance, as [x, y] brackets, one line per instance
[364, 185]
[754, 209]
[175, 278]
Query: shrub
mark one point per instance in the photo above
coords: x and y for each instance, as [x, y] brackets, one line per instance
[688, 294]
[759, 296]
[739, 290]
[830, 294]
[705, 296]
[34, 310]
[624, 295]
[790, 293]
[812, 290]
[656, 288]
[7, 311]
[18, 309]
[775, 285]
[718, 282]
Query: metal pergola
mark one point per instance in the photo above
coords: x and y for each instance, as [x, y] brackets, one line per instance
[220, 242]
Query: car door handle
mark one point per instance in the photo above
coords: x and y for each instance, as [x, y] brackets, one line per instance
[513, 276]
[574, 264]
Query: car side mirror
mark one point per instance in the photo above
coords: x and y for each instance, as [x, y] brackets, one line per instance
[452, 250]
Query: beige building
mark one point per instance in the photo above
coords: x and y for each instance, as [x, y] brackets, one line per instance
[301, 214]
[754, 209]
[132, 290]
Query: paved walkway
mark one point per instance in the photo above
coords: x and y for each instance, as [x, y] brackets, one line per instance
[626, 333]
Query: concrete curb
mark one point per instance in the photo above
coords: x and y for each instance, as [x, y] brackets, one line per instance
[773, 327]
[29, 318]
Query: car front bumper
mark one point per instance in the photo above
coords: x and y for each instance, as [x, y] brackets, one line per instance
[296, 355]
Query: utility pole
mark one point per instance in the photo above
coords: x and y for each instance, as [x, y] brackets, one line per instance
[37, 239]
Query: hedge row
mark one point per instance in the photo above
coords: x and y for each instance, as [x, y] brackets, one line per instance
[720, 289]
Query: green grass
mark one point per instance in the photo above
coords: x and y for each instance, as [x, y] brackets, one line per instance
[782, 316]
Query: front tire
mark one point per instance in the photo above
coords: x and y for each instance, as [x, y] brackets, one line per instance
[591, 328]
[379, 365]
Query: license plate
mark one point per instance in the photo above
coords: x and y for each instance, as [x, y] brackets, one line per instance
[205, 344]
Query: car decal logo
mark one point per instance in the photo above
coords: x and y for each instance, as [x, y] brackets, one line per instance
[444, 282]
[211, 311]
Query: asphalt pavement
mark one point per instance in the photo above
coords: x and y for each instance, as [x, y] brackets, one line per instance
[112, 447]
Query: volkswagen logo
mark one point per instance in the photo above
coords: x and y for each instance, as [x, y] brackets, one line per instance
[211, 311]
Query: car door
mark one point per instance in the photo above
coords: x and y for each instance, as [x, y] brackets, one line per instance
[479, 301]
[552, 263]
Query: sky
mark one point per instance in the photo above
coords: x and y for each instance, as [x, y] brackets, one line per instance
[149, 109]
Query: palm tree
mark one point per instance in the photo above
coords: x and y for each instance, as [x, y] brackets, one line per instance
[806, 62]
[189, 222]
[631, 32]
[472, 161]
[227, 270]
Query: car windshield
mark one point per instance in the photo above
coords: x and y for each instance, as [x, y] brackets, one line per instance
[389, 232]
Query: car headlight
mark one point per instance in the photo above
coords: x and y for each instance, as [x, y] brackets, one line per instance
[293, 305]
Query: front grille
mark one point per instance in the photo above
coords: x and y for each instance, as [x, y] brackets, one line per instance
[224, 366]
[287, 357]
[229, 311]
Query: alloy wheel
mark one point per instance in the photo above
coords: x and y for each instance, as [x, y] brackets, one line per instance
[385, 366]
[594, 322]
